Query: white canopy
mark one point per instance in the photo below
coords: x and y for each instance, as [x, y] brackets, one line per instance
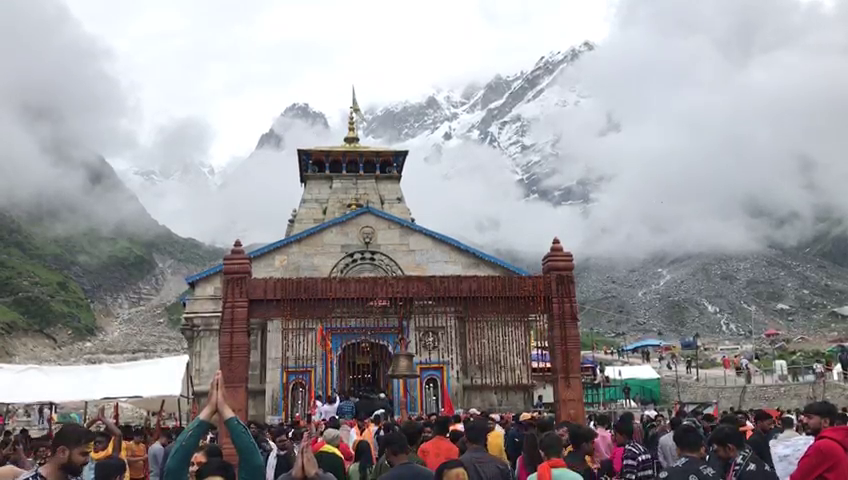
[625, 372]
[144, 383]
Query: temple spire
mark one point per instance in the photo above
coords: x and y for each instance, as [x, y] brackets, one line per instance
[352, 137]
[355, 105]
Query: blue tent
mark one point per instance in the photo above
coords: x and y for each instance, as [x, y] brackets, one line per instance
[647, 343]
[542, 356]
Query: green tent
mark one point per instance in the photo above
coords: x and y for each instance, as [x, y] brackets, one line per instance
[643, 380]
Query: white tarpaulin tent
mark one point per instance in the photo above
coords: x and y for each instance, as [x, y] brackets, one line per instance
[144, 383]
[626, 372]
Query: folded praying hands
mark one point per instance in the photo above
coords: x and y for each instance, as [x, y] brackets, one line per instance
[216, 401]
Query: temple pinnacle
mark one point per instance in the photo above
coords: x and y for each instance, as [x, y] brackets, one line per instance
[352, 137]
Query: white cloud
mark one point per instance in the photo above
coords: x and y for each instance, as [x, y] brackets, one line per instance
[732, 111]
[59, 101]
[238, 64]
[733, 115]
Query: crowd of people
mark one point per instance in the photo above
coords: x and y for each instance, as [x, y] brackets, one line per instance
[370, 445]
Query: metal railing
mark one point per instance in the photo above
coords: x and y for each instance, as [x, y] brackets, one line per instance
[759, 376]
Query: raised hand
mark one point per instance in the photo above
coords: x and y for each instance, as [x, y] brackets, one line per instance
[224, 409]
[310, 464]
[211, 406]
[297, 469]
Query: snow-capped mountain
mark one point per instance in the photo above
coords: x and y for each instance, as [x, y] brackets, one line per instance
[498, 114]
[662, 294]
[293, 114]
[187, 173]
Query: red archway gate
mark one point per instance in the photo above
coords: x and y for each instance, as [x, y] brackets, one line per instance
[484, 327]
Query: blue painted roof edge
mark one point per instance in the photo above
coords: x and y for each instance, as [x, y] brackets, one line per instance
[338, 220]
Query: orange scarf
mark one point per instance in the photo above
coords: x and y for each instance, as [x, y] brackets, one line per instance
[545, 470]
[368, 435]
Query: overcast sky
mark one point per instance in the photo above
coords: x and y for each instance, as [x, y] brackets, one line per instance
[238, 64]
[732, 112]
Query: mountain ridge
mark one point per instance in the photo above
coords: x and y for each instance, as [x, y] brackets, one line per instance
[70, 267]
[793, 288]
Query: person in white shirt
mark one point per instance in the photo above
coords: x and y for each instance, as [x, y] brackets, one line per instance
[787, 423]
[666, 448]
[328, 410]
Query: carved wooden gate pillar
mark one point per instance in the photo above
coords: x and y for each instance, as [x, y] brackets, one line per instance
[564, 334]
[234, 339]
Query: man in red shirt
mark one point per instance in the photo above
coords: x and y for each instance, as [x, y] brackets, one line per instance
[827, 457]
[438, 449]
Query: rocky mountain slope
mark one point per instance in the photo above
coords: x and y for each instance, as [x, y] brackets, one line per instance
[499, 114]
[718, 296]
[90, 275]
[789, 288]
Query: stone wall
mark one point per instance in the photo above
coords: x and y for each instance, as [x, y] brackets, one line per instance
[417, 254]
[314, 256]
[785, 395]
[328, 198]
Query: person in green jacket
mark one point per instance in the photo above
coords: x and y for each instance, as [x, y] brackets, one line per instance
[250, 464]
[412, 431]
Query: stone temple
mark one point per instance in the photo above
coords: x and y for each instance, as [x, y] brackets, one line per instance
[324, 309]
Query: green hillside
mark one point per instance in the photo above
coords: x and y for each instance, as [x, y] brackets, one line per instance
[60, 254]
[50, 281]
[34, 295]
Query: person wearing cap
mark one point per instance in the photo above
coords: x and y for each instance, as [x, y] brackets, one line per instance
[827, 457]
[329, 457]
[514, 439]
[495, 439]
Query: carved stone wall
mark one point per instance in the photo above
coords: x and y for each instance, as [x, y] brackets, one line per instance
[328, 198]
[315, 256]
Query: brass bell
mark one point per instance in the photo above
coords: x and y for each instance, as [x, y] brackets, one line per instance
[403, 365]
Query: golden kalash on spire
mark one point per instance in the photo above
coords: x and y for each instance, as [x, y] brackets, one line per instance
[352, 138]
[351, 158]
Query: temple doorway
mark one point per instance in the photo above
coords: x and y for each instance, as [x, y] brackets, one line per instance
[298, 400]
[432, 400]
[364, 367]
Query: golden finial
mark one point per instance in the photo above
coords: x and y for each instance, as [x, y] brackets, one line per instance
[354, 204]
[352, 138]
[357, 201]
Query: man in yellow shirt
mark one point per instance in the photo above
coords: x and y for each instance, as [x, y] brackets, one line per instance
[495, 439]
[104, 442]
